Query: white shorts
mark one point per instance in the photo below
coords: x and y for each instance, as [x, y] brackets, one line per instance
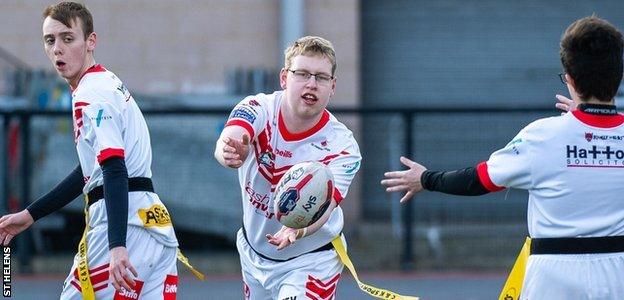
[310, 276]
[154, 262]
[578, 277]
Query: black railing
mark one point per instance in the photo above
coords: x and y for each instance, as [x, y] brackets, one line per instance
[408, 116]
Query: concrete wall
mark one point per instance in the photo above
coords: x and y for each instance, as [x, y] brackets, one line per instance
[187, 46]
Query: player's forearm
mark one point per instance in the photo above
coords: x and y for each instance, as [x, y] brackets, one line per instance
[63, 193]
[116, 196]
[464, 182]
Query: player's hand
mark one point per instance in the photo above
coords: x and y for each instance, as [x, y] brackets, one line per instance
[565, 104]
[408, 180]
[118, 268]
[285, 237]
[13, 224]
[235, 151]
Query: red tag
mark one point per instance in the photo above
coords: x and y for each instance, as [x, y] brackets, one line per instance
[171, 287]
[131, 294]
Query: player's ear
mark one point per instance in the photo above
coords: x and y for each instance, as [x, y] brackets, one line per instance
[283, 76]
[91, 41]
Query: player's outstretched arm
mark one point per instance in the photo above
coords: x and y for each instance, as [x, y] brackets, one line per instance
[232, 147]
[12, 224]
[565, 104]
[408, 180]
[287, 236]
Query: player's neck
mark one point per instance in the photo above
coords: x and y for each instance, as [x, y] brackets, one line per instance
[89, 62]
[298, 124]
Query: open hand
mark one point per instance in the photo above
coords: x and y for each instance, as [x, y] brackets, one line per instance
[408, 180]
[285, 237]
[118, 268]
[12, 224]
[235, 151]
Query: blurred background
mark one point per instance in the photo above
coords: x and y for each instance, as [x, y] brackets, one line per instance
[444, 82]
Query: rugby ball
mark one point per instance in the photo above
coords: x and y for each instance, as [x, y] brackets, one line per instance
[303, 194]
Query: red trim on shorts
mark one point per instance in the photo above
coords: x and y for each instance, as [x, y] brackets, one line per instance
[602, 121]
[133, 294]
[317, 289]
[108, 153]
[241, 123]
[484, 177]
[170, 287]
[291, 137]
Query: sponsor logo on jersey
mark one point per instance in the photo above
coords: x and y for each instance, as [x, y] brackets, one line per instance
[321, 146]
[244, 113]
[351, 167]
[261, 202]
[605, 157]
[133, 294]
[590, 136]
[283, 153]
[155, 216]
[100, 117]
[254, 102]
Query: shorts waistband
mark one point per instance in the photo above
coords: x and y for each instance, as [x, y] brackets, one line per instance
[583, 245]
[325, 247]
[135, 184]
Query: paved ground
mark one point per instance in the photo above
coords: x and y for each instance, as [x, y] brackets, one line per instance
[428, 286]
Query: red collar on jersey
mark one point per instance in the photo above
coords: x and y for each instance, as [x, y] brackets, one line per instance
[603, 116]
[93, 69]
[291, 137]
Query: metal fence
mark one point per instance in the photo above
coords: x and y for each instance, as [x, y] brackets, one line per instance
[38, 150]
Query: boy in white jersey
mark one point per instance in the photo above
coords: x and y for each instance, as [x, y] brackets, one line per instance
[129, 247]
[264, 136]
[573, 168]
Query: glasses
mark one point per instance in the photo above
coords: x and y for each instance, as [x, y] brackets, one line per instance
[562, 78]
[304, 76]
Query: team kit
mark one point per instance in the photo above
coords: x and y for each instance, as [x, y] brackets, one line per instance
[296, 162]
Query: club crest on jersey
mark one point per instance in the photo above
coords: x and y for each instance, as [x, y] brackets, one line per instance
[266, 158]
[589, 136]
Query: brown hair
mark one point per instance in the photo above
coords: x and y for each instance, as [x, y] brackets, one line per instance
[591, 53]
[311, 46]
[66, 12]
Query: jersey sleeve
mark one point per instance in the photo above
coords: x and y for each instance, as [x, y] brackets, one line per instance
[344, 166]
[251, 114]
[509, 167]
[104, 126]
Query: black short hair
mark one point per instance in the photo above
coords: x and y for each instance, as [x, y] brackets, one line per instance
[591, 53]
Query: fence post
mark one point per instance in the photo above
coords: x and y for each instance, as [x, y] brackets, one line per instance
[24, 241]
[5, 163]
[407, 262]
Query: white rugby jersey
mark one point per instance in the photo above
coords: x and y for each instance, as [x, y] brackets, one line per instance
[108, 123]
[273, 151]
[573, 168]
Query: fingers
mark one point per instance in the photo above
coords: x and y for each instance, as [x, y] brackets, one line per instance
[563, 99]
[395, 174]
[7, 239]
[397, 188]
[393, 182]
[406, 161]
[406, 197]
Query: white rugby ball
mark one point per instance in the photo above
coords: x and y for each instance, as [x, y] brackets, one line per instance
[303, 194]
